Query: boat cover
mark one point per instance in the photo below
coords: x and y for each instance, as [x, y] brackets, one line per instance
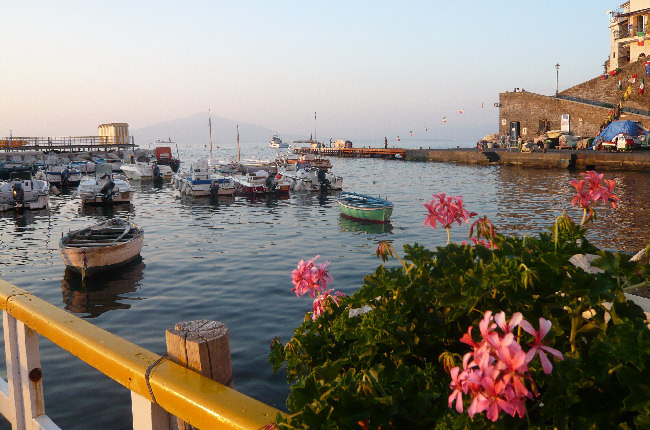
[616, 127]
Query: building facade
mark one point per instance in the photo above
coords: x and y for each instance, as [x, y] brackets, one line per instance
[115, 133]
[629, 38]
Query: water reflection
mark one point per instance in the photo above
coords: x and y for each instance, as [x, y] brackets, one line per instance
[101, 294]
[108, 211]
[23, 218]
[350, 225]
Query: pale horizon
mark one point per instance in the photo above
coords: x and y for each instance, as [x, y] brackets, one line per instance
[368, 69]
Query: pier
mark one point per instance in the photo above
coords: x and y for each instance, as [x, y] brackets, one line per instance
[389, 153]
[66, 144]
[552, 159]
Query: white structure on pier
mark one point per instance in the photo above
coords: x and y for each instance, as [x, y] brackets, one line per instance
[116, 133]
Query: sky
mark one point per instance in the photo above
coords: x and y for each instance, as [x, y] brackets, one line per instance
[367, 68]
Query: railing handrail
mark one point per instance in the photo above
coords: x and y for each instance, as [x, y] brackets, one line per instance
[182, 392]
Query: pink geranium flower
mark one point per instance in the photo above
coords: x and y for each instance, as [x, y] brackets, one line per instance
[538, 348]
[446, 211]
[591, 189]
[310, 278]
[323, 300]
[494, 374]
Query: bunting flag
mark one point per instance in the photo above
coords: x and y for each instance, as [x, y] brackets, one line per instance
[481, 105]
[411, 132]
[398, 138]
[444, 119]
[461, 111]
[426, 128]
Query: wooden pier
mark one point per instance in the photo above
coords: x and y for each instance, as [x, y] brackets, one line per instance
[389, 153]
[66, 144]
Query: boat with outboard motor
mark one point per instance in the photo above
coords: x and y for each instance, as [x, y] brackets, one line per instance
[365, 208]
[142, 171]
[23, 192]
[101, 247]
[200, 181]
[62, 175]
[164, 157]
[104, 188]
[261, 182]
[308, 178]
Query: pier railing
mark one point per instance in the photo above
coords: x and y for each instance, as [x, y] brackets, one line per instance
[159, 386]
[70, 143]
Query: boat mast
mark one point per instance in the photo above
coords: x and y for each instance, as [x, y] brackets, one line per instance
[238, 153]
[210, 126]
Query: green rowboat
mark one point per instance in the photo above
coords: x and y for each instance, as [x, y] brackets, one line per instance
[365, 208]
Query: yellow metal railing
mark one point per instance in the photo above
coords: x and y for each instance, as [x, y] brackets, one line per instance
[188, 395]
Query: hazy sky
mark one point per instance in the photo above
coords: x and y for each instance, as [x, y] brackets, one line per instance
[369, 68]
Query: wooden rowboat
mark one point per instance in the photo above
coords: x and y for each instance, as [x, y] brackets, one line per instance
[365, 208]
[101, 247]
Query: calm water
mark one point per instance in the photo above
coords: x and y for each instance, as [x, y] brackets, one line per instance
[231, 260]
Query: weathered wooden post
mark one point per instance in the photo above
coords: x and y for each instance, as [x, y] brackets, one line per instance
[203, 346]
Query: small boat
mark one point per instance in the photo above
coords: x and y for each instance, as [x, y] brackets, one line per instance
[83, 166]
[276, 142]
[164, 157]
[61, 175]
[261, 182]
[308, 178]
[101, 247]
[23, 192]
[104, 188]
[200, 181]
[141, 171]
[9, 167]
[361, 207]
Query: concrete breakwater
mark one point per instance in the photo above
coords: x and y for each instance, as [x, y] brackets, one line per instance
[556, 159]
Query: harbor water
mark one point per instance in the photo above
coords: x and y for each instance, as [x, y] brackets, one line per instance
[231, 259]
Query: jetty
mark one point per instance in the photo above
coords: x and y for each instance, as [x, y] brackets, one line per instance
[551, 159]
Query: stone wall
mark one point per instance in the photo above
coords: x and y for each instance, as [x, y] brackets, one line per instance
[529, 109]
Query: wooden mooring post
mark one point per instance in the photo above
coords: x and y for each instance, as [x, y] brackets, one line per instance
[203, 346]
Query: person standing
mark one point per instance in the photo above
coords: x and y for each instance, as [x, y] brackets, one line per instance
[385, 142]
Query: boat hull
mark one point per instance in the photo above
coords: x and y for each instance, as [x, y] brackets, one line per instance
[365, 208]
[91, 260]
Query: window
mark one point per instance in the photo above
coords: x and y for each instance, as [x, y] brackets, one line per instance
[503, 121]
[524, 131]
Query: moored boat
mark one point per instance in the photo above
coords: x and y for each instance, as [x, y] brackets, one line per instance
[23, 192]
[141, 171]
[164, 157]
[276, 142]
[104, 189]
[365, 208]
[62, 175]
[200, 181]
[101, 247]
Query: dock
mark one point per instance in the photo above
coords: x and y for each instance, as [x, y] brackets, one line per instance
[389, 153]
[552, 159]
[65, 144]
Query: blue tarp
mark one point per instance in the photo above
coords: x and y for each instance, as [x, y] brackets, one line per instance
[616, 127]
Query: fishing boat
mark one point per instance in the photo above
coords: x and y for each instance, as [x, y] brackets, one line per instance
[23, 192]
[276, 142]
[101, 247]
[164, 157]
[361, 207]
[141, 171]
[83, 166]
[104, 189]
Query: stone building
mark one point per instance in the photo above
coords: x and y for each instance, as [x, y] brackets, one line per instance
[629, 38]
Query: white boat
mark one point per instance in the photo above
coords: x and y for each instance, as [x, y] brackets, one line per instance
[104, 188]
[141, 171]
[200, 181]
[276, 142]
[61, 175]
[101, 247]
[261, 182]
[307, 178]
[23, 192]
[83, 166]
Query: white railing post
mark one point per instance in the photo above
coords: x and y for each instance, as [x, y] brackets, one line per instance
[31, 379]
[146, 415]
[12, 409]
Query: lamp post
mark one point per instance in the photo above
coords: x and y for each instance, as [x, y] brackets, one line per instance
[557, 78]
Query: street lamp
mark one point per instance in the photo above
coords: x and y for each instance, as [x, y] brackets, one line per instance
[557, 78]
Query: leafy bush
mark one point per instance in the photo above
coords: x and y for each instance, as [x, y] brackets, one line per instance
[381, 357]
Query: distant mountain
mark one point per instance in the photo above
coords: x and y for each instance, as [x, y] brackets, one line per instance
[194, 130]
